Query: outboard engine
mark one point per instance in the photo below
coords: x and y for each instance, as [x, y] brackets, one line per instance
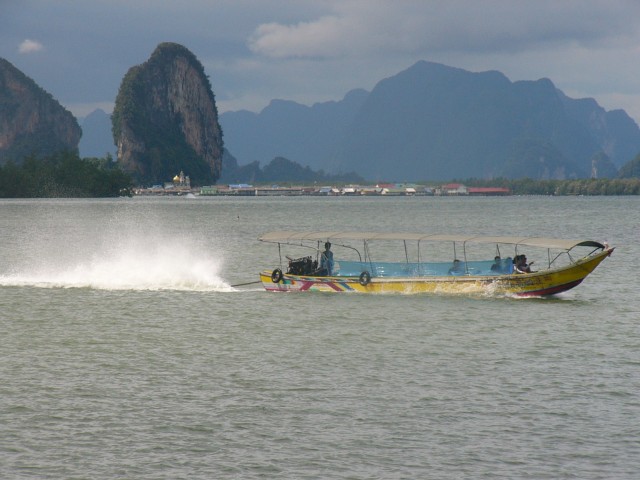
[302, 266]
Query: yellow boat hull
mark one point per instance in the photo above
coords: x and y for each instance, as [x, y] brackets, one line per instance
[543, 283]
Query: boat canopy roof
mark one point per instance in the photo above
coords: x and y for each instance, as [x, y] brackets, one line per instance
[286, 236]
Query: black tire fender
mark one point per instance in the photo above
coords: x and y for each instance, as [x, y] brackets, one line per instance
[276, 275]
[365, 278]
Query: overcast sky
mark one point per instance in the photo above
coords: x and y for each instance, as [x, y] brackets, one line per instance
[317, 50]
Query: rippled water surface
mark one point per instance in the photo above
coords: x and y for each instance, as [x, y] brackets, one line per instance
[126, 351]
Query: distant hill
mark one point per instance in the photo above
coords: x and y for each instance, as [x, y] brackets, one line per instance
[284, 128]
[97, 139]
[434, 122]
[631, 169]
[278, 170]
[32, 122]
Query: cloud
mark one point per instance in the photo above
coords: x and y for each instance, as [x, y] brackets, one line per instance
[345, 31]
[30, 46]
[358, 27]
[258, 50]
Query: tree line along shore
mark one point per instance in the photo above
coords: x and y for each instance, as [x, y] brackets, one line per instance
[66, 175]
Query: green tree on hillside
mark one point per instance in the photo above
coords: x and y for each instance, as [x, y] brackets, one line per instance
[631, 169]
[63, 175]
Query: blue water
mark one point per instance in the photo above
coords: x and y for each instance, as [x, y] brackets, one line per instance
[127, 353]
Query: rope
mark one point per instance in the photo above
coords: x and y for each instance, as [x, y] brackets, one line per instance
[248, 283]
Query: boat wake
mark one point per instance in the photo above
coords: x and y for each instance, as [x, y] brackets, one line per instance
[170, 266]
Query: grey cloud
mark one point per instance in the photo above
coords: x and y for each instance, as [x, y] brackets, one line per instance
[257, 50]
[355, 27]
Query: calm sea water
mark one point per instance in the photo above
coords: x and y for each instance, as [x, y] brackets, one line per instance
[126, 353]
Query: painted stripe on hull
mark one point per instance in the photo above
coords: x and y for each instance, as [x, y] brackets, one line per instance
[552, 290]
[296, 284]
[470, 286]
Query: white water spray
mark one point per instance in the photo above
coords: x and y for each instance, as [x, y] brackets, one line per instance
[149, 263]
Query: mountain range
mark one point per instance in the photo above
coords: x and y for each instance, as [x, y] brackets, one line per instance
[435, 122]
[97, 139]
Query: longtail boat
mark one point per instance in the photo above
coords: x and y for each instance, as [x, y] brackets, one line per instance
[360, 266]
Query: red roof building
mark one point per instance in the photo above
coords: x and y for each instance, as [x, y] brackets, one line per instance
[486, 191]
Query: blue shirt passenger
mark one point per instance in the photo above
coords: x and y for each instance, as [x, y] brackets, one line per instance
[326, 260]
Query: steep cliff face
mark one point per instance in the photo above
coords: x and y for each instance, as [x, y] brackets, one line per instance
[32, 122]
[165, 119]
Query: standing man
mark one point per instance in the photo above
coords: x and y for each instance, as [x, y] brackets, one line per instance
[326, 260]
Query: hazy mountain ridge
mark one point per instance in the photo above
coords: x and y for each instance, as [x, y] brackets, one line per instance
[97, 139]
[278, 170]
[613, 130]
[288, 129]
[428, 122]
[432, 121]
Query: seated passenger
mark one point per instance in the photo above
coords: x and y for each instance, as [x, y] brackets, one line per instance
[326, 261]
[520, 264]
[456, 268]
[497, 265]
[502, 265]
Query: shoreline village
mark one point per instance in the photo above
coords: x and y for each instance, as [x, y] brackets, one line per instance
[183, 187]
